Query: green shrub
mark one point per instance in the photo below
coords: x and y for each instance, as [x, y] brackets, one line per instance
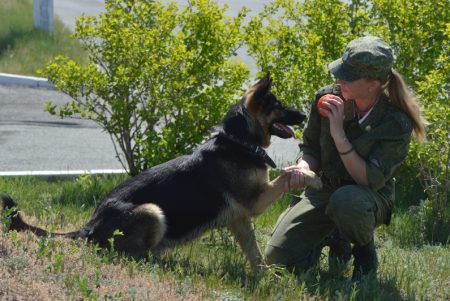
[420, 34]
[295, 40]
[158, 78]
[418, 226]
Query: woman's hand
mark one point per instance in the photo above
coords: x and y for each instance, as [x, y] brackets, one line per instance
[354, 164]
[299, 177]
[335, 114]
[302, 174]
[294, 177]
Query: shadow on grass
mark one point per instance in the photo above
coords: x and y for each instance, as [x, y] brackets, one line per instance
[369, 288]
[223, 266]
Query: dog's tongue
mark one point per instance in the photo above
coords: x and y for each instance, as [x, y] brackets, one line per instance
[285, 128]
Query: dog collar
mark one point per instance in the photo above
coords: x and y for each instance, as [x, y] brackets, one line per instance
[252, 148]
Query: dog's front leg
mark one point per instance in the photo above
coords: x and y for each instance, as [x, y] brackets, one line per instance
[270, 193]
[272, 190]
[244, 233]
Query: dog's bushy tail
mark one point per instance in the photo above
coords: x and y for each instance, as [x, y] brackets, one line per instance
[12, 220]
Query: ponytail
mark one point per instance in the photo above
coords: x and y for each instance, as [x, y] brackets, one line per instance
[402, 97]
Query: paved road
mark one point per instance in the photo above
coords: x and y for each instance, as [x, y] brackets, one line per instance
[32, 140]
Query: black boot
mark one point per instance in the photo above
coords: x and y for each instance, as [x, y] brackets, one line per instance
[340, 251]
[365, 261]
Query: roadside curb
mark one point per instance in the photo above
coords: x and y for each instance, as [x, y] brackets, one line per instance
[28, 81]
[61, 173]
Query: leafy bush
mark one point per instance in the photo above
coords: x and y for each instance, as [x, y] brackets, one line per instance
[419, 32]
[158, 78]
[419, 225]
[433, 158]
[295, 40]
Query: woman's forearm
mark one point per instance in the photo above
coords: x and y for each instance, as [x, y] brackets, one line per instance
[355, 165]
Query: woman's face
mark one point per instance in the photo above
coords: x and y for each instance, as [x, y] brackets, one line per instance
[358, 89]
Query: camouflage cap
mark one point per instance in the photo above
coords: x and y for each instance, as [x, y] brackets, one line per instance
[364, 57]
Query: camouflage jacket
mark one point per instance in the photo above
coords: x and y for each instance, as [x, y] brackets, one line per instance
[382, 140]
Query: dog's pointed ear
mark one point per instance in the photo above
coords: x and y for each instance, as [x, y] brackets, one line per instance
[256, 93]
[263, 86]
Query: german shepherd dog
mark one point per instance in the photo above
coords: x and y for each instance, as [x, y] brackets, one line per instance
[224, 182]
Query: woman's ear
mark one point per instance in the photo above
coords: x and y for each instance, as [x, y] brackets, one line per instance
[375, 84]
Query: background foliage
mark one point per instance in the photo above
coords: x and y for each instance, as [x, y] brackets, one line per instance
[295, 40]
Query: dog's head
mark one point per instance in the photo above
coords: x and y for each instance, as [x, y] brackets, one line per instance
[270, 116]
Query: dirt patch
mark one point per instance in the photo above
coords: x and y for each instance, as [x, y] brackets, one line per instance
[59, 269]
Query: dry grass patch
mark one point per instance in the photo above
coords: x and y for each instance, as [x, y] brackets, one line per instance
[60, 269]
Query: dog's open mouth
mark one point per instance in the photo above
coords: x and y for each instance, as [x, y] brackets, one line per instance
[281, 130]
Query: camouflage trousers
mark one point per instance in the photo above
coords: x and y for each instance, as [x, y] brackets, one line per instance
[354, 209]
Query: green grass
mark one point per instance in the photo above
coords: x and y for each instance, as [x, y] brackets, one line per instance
[24, 50]
[211, 268]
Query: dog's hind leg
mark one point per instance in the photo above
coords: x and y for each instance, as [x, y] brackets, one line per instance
[144, 230]
[244, 233]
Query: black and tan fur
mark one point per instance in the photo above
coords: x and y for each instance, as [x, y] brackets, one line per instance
[223, 183]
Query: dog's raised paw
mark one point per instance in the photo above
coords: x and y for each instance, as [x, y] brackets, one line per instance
[312, 179]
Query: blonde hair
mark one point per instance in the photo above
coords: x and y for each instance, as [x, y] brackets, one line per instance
[403, 97]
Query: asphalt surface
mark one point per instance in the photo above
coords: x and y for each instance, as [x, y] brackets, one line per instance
[33, 140]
